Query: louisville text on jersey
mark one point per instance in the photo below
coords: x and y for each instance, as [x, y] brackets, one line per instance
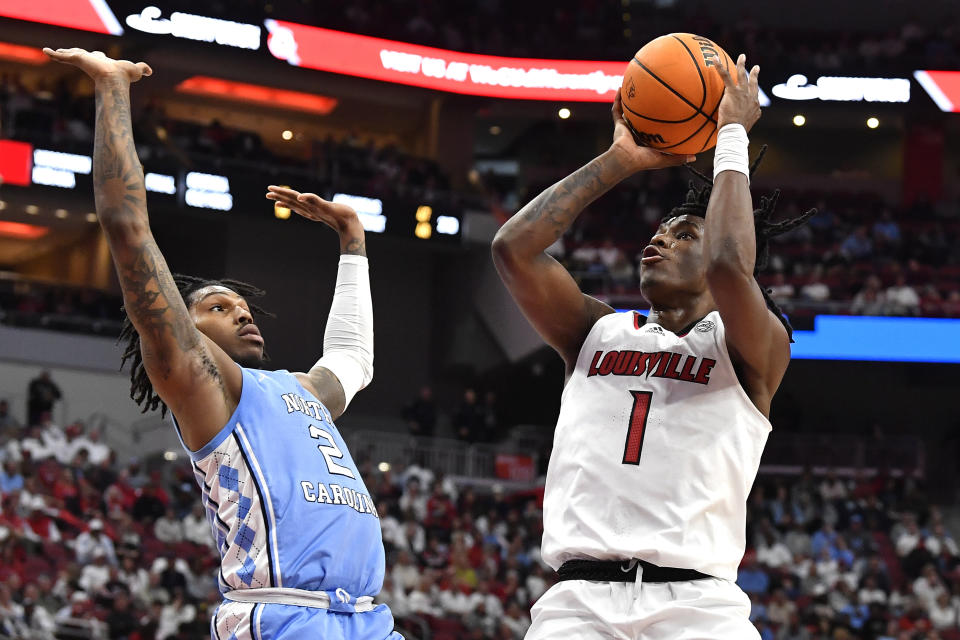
[659, 364]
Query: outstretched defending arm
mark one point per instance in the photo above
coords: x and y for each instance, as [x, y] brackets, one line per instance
[547, 294]
[187, 371]
[755, 336]
[347, 363]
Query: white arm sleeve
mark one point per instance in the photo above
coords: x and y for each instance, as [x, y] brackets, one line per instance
[348, 338]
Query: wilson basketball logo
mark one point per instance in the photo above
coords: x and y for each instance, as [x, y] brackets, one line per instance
[708, 50]
[648, 139]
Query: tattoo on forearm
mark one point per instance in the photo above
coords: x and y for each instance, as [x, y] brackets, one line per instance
[560, 204]
[354, 247]
[151, 298]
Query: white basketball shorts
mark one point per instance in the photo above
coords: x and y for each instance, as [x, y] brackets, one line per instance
[707, 609]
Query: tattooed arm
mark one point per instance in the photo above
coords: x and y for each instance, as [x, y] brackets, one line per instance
[347, 362]
[192, 375]
[546, 293]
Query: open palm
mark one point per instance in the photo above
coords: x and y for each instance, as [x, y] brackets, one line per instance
[97, 65]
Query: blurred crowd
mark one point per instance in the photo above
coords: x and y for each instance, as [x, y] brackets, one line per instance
[849, 557]
[857, 255]
[474, 419]
[94, 547]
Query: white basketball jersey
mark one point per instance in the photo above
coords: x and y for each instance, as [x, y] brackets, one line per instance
[655, 452]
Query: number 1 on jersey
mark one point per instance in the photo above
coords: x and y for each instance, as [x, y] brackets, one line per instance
[638, 426]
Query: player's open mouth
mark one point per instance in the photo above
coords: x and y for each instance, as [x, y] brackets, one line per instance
[651, 255]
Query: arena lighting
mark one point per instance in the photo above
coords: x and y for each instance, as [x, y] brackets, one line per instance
[71, 162]
[22, 230]
[423, 230]
[91, 217]
[369, 210]
[23, 55]
[563, 113]
[799, 120]
[61, 213]
[873, 123]
[424, 213]
[868, 338]
[257, 94]
[448, 225]
[15, 160]
[32, 209]
[194, 27]
[160, 183]
[419, 66]
[51, 177]
[943, 87]
[844, 89]
[208, 191]
[383, 467]
[280, 212]
[287, 134]
[86, 15]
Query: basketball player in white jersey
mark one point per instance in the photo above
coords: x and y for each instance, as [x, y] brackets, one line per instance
[662, 420]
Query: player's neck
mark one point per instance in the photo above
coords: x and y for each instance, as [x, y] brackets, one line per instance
[678, 318]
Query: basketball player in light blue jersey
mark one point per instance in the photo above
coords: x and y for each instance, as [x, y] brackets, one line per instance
[297, 531]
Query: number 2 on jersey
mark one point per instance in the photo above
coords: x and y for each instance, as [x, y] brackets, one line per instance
[637, 427]
[330, 451]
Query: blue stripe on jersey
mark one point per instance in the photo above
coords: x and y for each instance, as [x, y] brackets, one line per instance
[266, 506]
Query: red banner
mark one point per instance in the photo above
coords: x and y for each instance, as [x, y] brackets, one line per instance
[15, 161]
[510, 466]
[473, 74]
[86, 15]
[942, 86]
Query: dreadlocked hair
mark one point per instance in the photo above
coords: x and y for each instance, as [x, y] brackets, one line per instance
[696, 202]
[141, 389]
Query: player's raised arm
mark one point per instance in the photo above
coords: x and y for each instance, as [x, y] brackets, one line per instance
[755, 336]
[183, 366]
[347, 363]
[547, 294]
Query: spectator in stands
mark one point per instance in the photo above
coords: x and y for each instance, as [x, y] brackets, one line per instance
[174, 615]
[42, 393]
[886, 232]
[10, 477]
[751, 578]
[901, 298]
[440, 513]
[421, 414]
[196, 529]
[870, 300]
[468, 423]
[413, 501]
[929, 586]
[815, 289]
[857, 245]
[87, 543]
[780, 610]
[168, 528]
[781, 290]
[9, 426]
[943, 612]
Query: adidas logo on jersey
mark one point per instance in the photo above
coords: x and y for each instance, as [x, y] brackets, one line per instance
[655, 328]
[661, 364]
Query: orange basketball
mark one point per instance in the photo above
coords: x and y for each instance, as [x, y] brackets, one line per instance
[671, 95]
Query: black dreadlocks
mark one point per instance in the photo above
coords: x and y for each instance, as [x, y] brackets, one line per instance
[696, 205]
[141, 389]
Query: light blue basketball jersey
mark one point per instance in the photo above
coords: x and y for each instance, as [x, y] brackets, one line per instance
[285, 501]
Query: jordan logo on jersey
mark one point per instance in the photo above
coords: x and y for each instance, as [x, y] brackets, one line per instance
[660, 364]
